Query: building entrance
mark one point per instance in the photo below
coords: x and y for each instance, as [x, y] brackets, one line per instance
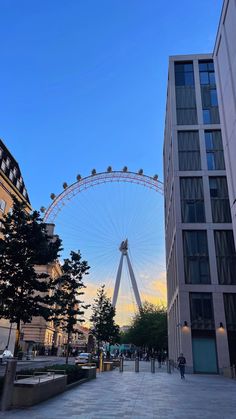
[204, 355]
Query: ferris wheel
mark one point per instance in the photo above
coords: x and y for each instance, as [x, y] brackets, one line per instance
[103, 212]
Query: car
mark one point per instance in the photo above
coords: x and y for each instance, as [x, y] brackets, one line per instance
[6, 354]
[83, 358]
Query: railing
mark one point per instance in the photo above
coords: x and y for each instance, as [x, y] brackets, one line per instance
[40, 374]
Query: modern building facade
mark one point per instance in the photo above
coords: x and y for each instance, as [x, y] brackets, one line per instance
[11, 183]
[200, 251]
[225, 66]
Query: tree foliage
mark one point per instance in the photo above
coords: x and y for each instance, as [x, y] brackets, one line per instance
[149, 328]
[104, 327]
[24, 244]
[69, 288]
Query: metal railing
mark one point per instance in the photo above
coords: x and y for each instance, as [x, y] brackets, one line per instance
[40, 374]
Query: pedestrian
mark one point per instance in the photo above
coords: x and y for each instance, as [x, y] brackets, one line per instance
[181, 365]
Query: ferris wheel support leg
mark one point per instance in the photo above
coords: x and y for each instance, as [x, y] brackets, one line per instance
[134, 283]
[117, 284]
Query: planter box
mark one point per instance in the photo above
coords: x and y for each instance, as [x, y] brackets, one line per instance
[108, 366]
[29, 391]
[90, 372]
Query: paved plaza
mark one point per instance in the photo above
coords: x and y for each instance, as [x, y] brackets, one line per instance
[140, 395]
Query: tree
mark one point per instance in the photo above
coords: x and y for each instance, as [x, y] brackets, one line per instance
[67, 296]
[24, 244]
[104, 327]
[149, 328]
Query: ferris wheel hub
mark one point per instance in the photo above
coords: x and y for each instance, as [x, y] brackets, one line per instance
[124, 247]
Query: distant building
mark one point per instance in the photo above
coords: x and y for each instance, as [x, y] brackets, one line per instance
[11, 183]
[225, 66]
[200, 251]
[124, 328]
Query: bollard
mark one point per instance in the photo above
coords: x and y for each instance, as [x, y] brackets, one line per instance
[101, 362]
[121, 364]
[153, 365]
[168, 363]
[8, 384]
[136, 364]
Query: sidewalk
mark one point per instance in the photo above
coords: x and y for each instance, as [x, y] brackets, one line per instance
[140, 395]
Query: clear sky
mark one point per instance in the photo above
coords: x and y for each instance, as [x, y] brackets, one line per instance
[83, 85]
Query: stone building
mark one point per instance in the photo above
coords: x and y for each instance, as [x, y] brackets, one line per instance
[11, 183]
[200, 251]
[225, 66]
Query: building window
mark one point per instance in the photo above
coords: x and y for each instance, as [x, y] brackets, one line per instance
[15, 171]
[196, 260]
[184, 75]
[213, 97]
[2, 205]
[207, 73]
[8, 162]
[230, 311]
[11, 176]
[214, 150]
[220, 206]
[225, 257]
[208, 93]
[185, 94]
[24, 192]
[189, 150]
[206, 116]
[3, 166]
[192, 200]
[201, 309]
[18, 184]
[1, 152]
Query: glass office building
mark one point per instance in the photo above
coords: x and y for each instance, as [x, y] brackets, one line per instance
[200, 250]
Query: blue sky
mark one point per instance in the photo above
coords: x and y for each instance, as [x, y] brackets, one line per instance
[83, 83]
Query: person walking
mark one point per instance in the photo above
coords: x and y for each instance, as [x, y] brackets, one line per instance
[181, 365]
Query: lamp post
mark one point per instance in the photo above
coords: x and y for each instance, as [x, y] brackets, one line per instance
[9, 336]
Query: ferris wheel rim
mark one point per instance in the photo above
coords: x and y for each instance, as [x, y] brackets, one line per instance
[99, 178]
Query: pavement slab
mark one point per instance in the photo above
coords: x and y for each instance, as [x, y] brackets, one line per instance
[140, 395]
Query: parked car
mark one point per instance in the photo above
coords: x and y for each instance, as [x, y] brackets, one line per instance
[83, 358]
[4, 355]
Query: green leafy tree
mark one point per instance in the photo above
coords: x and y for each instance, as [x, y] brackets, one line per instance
[24, 244]
[104, 327]
[149, 328]
[69, 288]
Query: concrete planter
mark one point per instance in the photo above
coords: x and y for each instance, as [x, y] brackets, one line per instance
[30, 391]
[90, 372]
